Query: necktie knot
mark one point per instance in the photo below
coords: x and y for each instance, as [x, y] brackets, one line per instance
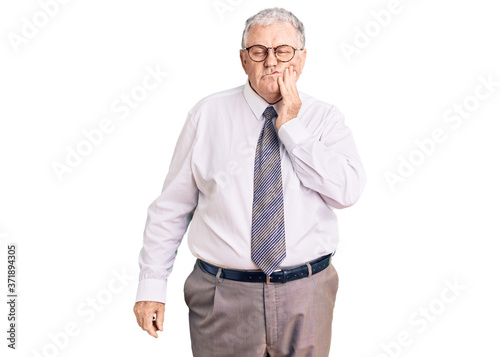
[270, 113]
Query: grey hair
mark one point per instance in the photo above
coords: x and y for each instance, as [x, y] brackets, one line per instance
[271, 16]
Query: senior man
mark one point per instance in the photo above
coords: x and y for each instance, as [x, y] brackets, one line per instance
[257, 171]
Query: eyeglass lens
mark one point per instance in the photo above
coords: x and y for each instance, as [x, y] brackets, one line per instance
[259, 53]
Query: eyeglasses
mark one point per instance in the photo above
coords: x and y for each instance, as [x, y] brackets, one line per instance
[259, 53]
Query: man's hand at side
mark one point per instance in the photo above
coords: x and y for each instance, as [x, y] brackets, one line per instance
[290, 95]
[145, 313]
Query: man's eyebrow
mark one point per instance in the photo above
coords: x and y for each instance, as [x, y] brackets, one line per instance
[283, 44]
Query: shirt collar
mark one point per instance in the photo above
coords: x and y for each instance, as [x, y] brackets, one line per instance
[257, 103]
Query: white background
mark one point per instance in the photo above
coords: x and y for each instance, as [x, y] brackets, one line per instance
[398, 247]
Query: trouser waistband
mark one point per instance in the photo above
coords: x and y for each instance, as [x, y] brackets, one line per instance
[277, 277]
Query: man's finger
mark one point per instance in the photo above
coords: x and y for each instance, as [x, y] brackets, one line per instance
[150, 328]
[160, 317]
[288, 72]
[285, 78]
[290, 78]
[281, 84]
[293, 78]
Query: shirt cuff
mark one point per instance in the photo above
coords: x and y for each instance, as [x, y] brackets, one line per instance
[152, 290]
[293, 132]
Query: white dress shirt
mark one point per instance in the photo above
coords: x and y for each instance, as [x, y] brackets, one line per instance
[210, 186]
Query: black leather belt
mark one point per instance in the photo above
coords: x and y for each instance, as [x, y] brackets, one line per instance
[279, 276]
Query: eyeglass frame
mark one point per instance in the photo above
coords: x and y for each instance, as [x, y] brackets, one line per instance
[274, 50]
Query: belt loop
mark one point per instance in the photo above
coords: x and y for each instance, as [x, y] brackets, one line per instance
[309, 269]
[219, 272]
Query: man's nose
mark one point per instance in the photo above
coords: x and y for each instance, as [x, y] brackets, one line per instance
[271, 59]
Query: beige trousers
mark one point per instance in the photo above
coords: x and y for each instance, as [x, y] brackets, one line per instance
[238, 319]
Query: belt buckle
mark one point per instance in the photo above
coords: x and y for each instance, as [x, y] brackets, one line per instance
[268, 278]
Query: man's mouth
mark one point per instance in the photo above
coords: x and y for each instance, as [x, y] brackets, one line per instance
[272, 74]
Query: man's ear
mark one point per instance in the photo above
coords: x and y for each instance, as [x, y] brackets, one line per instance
[243, 60]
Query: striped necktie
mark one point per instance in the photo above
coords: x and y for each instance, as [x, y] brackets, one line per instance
[268, 222]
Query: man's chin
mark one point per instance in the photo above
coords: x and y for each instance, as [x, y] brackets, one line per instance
[269, 90]
[272, 88]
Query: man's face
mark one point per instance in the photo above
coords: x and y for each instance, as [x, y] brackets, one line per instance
[263, 76]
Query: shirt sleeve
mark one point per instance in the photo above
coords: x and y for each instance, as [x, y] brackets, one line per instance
[328, 162]
[168, 218]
